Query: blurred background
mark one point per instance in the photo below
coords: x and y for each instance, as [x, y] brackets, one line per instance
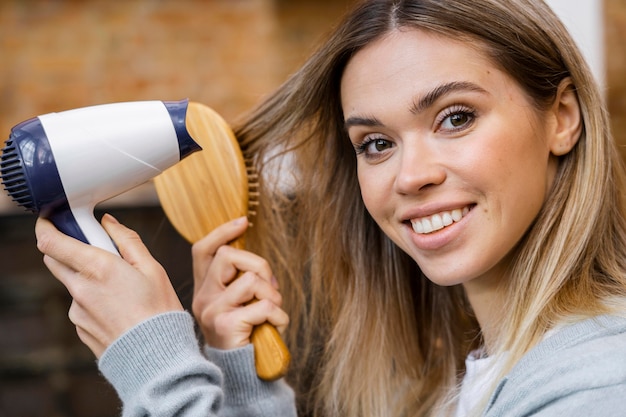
[228, 54]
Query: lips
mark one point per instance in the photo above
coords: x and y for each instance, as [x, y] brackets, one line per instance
[438, 221]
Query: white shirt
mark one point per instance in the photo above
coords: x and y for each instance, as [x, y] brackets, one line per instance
[479, 375]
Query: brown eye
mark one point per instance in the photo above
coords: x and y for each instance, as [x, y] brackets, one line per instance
[373, 147]
[456, 119]
[459, 119]
[381, 144]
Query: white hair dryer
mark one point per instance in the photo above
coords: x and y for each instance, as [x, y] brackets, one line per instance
[60, 165]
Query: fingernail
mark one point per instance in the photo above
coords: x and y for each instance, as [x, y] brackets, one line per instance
[275, 282]
[239, 221]
[110, 218]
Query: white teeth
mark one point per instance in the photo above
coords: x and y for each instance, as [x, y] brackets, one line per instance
[438, 221]
[456, 215]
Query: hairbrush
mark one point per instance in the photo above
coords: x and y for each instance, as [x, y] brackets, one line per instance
[210, 188]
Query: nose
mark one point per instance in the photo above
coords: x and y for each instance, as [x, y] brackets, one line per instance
[420, 167]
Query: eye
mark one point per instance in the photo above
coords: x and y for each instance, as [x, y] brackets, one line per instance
[456, 118]
[373, 147]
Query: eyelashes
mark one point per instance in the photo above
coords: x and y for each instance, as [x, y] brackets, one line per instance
[453, 119]
[379, 144]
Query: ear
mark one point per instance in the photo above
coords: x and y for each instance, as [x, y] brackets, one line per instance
[568, 123]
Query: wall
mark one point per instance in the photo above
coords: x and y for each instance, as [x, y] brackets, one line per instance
[615, 58]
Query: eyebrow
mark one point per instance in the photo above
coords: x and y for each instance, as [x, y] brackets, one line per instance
[436, 93]
[422, 103]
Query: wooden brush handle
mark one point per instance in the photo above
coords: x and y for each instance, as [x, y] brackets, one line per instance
[271, 356]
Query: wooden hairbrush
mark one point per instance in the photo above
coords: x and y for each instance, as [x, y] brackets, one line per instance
[210, 188]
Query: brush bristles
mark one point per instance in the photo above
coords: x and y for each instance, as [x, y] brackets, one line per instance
[253, 189]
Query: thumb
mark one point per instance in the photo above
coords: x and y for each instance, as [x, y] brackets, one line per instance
[128, 242]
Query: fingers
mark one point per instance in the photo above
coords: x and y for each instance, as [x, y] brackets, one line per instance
[111, 294]
[232, 328]
[248, 288]
[63, 248]
[131, 246]
[205, 249]
[210, 302]
[226, 282]
[216, 264]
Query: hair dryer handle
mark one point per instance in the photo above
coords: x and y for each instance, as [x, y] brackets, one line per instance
[81, 224]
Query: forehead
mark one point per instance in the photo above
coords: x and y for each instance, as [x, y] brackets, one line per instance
[409, 62]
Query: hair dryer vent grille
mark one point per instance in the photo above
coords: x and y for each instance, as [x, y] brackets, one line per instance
[13, 178]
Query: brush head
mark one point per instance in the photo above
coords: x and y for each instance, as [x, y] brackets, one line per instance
[210, 187]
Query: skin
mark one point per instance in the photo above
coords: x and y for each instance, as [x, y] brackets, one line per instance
[437, 127]
[100, 283]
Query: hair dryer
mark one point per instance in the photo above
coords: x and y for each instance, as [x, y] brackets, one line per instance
[60, 165]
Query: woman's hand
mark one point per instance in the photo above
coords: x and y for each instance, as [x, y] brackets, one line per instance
[110, 294]
[221, 302]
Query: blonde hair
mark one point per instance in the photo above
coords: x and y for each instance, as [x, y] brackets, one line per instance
[370, 335]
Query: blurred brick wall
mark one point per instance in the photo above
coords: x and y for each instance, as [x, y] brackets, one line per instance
[615, 35]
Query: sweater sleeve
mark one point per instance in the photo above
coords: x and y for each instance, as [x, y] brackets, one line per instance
[244, 393]
[158, 370]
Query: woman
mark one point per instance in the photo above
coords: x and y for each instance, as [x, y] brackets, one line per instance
[432, 187]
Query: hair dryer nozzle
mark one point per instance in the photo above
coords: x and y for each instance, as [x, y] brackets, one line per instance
[27, 169]
[13, 176]
[178, 114]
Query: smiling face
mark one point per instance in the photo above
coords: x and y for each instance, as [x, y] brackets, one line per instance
[453, 160]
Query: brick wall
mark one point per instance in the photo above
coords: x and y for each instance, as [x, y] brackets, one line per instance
[615, 35]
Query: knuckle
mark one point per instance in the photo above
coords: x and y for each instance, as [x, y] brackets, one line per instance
[223, 250]
[130, 233]
[279, 299]
[79, 296]
[248, 279]
[198, 249]
[96, 268]
[45, 243]
[73, 313]
[198, 308]
[264, 266]
[266, 306]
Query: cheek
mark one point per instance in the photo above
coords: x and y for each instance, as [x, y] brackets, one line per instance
[375, 192]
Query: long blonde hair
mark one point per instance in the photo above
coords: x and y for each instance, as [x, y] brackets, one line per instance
[370, 335]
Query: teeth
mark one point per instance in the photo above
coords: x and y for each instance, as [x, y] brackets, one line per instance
[438, 221]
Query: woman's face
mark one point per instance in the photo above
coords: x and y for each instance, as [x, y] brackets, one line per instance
[454, 162]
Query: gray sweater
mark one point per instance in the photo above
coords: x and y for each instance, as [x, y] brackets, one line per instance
[158, 369]
[580, 371]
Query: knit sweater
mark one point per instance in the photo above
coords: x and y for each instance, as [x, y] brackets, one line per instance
[158, 370]
[579, 371]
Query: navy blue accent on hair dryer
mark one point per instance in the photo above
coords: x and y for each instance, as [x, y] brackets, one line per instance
[61, 165]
